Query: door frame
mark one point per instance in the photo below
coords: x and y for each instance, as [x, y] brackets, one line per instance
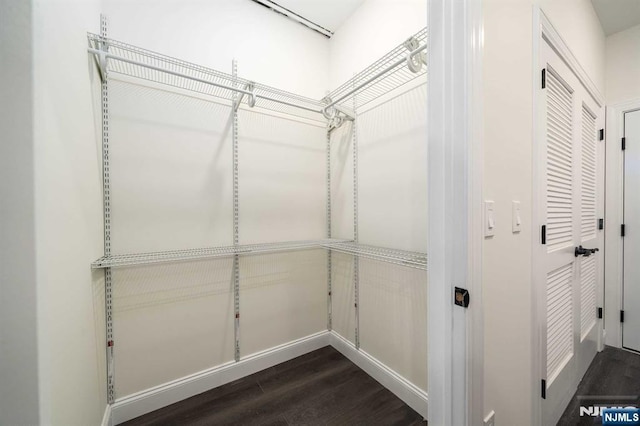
[614, 217]
[455, 114]
[544, 32]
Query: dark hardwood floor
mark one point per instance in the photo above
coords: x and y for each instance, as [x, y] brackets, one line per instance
[613, 376]
[319, 388]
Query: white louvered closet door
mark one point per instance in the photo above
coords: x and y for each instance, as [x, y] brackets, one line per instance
[569, 205]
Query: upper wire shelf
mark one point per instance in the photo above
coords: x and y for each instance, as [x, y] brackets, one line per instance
[409, 259]
[400, 66]
[125, 59]
[123, 260]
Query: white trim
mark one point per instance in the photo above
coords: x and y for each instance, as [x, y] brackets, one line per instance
[140, 403]
[450, 140]
[538, 306]
[556, 42]
[614, 216]
[412, 395]
[475, 325]
[439, 307]
[168, 393]
[107, 418]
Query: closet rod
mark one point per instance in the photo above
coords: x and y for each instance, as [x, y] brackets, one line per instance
[107, 55]
[375, 77]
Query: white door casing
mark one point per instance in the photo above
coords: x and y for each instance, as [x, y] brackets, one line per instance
[568, 205]
[614, 217]
[631, 240]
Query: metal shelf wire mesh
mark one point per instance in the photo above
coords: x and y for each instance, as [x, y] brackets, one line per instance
[398, 257]
[396, 77]
[129, 60]
[123, 260]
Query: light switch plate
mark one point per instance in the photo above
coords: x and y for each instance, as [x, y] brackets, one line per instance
[489, 219]
[516, 217]
[490, 420]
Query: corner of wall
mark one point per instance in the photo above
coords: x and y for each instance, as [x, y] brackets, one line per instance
[68, 217]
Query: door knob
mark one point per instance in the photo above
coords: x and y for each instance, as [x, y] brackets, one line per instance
[581, 251]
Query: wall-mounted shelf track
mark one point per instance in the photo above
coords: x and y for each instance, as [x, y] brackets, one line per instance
[120, 58]
[398, 257]
[400, 66]
[123, 260]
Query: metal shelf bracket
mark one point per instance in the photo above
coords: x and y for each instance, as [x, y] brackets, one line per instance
[249, 88]
[416, 57]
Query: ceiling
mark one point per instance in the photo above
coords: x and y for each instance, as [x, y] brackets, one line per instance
[616, 15]
[328, 14]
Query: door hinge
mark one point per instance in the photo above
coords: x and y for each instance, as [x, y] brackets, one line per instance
[601, 134]
[624, 143]
[544, 78]
[600, 224]
[622, 230]
[600, 313]
[543, 389]
[621, 316]
[543, 234]
[461, 297]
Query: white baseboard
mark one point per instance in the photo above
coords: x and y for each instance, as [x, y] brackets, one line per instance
[144, 402]
[140, 403]
[413, 396]
[107, 419]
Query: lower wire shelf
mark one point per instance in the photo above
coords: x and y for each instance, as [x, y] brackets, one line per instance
[123, 260]
[409, 259]
[399, 257]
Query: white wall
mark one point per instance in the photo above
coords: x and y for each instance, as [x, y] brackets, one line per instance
[508, 143]
[68, 214]
[623, 66]
[172, 187]
[172, 178]
[171, 320]
[270, 48]
[579, 26]
[19, 402]
[392, 194]
[375, 28]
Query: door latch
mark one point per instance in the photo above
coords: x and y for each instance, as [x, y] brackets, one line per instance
[462, 297]
[581, 251]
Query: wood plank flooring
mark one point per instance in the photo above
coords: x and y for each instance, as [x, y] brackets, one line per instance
[319, 388]
[613, 372]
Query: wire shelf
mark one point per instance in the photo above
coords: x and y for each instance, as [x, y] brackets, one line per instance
[123, 260]
[395, 77]
[410, 259]
[129, 60]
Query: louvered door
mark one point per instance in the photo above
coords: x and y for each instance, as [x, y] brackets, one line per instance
[568, 200]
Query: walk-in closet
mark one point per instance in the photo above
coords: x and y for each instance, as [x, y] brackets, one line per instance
[247, 225]
[319, 212]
